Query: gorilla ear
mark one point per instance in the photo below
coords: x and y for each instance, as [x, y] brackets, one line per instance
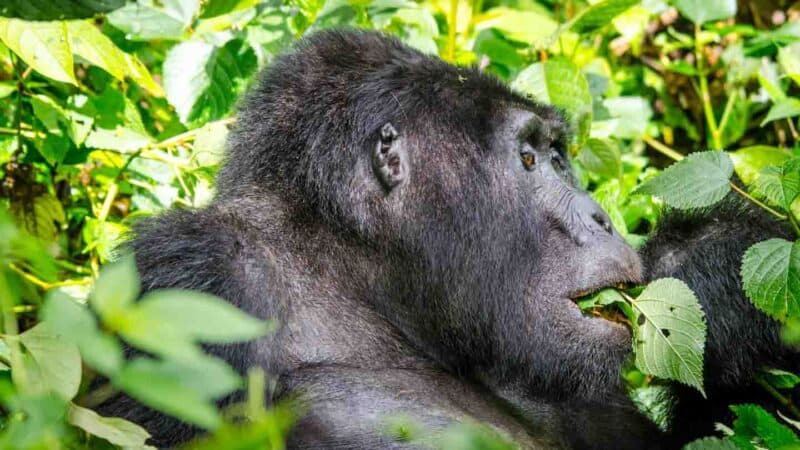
[390, 160]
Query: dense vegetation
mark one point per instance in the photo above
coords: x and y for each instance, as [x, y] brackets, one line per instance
[111, 110]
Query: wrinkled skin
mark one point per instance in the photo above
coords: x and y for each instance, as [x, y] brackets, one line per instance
[415, 229]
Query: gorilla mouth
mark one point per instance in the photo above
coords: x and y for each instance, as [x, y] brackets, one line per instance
[611, 314]
[583, 293]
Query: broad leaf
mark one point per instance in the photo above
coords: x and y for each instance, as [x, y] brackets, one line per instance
[699, 180]
[155, 385]
[755, 424]
[749, 161]
[57, 359]
[42, 45]
[670, 332]
[202, 81]
[91, 44]
[781, 379]
[201, 316]
[781, 185]
[782, 109]
[57, 9]
[771, 277]
[601, 157]
[702, 11]
[155, 19]
[559, 82]
[530, 27]
[600, 14]
[77, 325]
[115, 290]
[113, 429]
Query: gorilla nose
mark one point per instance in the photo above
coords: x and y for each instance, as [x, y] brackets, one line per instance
[603, 220]
[593, 217]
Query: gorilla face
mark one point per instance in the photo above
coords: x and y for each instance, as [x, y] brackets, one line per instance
[503, 240]
[463, 190]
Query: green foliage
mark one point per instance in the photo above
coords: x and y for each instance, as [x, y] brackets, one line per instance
[771, 277]
[669, 332]
[113, 109]
[701, 179]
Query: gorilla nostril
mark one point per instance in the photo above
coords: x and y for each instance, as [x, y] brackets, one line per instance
[603, 220]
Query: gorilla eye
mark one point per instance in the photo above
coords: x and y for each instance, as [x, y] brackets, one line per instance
[558, 162]
[528, 160]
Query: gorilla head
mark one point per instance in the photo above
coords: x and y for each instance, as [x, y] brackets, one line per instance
[446, 202]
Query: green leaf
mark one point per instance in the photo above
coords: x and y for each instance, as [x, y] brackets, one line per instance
[113, 429]
[214, 8]
[755, 424]
[58, 360]
[600, 14]
[559, 82]
[203, 81]
[88, 42]
[44, 46]
[780, 379]
[782, 109]
[7, 88]
[76, 324]
[154, 384]
[699, 180]
[702, 11]
[670, 332]
[601, 157]
[200, 316]
[789, 59]
[711, 443]
[42, 217]
[749, 161]
[155, 19]
[771, 277]
[57, 9]
[115, 291]
[781, 185]
[530, 27]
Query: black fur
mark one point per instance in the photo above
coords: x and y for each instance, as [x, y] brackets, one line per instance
[374, 202]
[705, 249]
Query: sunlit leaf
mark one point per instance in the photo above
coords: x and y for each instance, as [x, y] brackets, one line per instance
[781, 185]
[670, 332]
[42, 45]
[202, 80]
[559, 82]
[600, 14]
[749, 161]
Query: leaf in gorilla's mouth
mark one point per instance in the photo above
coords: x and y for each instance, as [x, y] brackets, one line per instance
[603, 301]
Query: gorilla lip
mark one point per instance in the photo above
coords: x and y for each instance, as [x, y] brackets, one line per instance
[580, 294]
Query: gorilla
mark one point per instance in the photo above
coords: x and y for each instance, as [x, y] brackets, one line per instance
[416, 230]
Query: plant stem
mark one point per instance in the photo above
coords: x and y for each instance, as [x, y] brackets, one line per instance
[757, 202]
[783, 400]
[726, 114]
[451, 30]
[704, 95]
[11, 331]
[662, 148]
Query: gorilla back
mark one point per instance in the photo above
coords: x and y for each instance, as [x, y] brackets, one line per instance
[416, 231]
